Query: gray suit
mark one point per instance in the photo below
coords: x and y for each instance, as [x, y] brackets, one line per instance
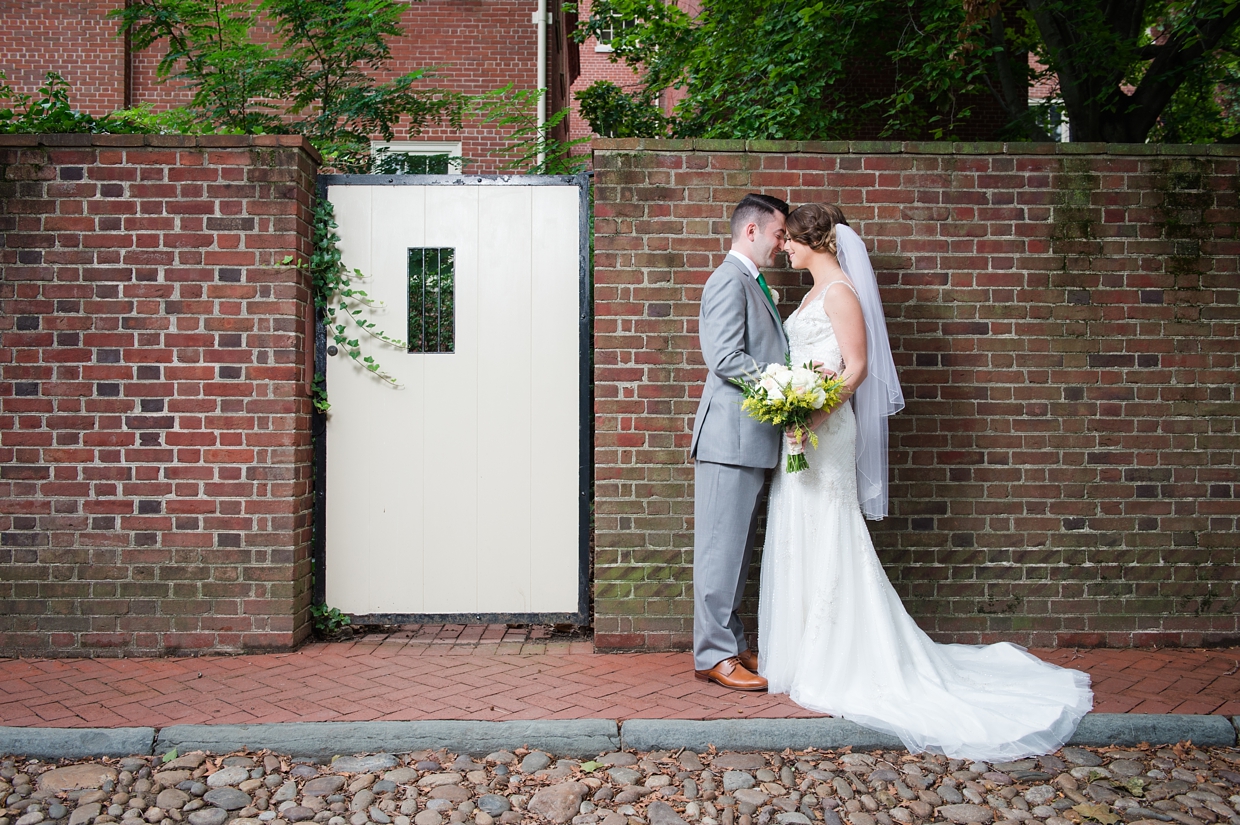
[740, 333]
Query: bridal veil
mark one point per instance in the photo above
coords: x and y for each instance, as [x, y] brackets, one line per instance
[879, 395]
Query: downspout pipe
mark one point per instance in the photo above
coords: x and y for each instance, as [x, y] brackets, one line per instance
[542, 79]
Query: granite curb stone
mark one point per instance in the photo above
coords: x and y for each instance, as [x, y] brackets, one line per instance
[76, 743]
[1103, 729]
[323, 740]
[1096, 729]
[751, 734]
[585, 737]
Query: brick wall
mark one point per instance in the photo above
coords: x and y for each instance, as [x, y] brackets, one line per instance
[155, 484]
[1064, 321]
[475, 46]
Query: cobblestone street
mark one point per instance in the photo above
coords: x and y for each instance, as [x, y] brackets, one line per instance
[1143, 786]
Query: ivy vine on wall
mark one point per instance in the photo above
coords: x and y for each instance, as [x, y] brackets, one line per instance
[339, 301]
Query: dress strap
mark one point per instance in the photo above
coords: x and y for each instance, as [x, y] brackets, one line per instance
[843, 281]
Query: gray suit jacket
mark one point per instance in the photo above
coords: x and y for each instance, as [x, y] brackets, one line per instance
[740, 334]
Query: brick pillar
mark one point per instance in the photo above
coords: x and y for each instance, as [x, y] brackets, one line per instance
[155, 449]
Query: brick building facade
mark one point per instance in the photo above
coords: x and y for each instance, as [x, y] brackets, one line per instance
[1064, 322]
[475, 46]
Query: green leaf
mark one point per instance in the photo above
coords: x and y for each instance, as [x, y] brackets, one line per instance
[170, 755]
[1097, 812]
[589, 766]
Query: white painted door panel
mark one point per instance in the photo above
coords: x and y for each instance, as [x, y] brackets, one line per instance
[458, 493]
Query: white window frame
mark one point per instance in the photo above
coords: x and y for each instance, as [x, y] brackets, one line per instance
[1062, 133]
[603, 47]
[424, 147]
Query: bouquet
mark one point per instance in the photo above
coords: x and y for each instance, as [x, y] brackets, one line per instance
[787, 397]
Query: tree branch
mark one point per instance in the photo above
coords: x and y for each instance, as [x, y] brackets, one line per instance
[1169, 70]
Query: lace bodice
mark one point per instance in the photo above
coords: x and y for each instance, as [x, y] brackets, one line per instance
[811, 336]
[832, 473]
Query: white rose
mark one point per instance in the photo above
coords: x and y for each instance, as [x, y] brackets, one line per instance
[804, 380]
[820, 398]
[778, 372]
[775, 296]
[774, 389]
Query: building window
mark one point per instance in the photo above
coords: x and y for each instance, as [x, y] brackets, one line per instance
[605, 35]
[432, 304]
[1051, 114]
[411, 157]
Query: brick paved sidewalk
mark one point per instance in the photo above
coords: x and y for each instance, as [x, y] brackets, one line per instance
[495, 673]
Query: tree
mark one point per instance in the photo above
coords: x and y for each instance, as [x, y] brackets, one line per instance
[1155, 48]
[315, 77]
[1127, 70]
[751, 68]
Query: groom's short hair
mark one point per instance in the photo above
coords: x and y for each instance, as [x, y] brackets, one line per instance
[757, 209]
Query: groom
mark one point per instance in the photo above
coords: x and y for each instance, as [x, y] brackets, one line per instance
[740, 333]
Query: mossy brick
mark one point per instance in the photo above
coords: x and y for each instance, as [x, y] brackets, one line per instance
[678, 145]
[627, 573]
[620, 607]
[658, 590]
[1132, 149]
[716, 145]
[978, 148]
[824, 147]
[772, 146]
[614, 144]
[874, 147]
[1088, 148]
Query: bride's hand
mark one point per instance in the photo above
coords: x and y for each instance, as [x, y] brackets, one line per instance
[791, 436]
[822, 369]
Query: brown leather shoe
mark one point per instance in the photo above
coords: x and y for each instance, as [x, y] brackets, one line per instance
[733, 675]
[749, 658]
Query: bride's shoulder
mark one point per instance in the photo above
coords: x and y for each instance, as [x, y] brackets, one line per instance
[847, 295]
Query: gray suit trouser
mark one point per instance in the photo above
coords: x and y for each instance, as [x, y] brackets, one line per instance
[725, 519]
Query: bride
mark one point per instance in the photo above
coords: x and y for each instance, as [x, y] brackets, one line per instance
[832, 631]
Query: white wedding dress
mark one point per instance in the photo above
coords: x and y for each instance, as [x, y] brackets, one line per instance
[833, 634]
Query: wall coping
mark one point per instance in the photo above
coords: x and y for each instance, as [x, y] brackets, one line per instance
[891, 147]
[161, 141]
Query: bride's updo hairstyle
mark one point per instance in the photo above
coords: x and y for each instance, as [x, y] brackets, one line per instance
[814, 225]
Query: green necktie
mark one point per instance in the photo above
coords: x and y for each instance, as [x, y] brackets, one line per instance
[766, 289]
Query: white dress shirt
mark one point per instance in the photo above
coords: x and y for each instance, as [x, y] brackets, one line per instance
[749, 265]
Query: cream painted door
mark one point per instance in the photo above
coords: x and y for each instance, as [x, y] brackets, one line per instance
[459, 494]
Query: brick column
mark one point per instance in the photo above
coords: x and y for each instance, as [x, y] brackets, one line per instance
[155, 468]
